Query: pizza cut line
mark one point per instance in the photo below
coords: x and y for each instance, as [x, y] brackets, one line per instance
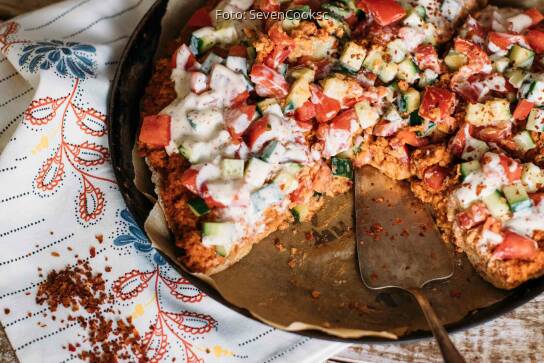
[251, 123]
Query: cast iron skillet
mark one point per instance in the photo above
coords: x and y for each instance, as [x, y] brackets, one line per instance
[128, 88]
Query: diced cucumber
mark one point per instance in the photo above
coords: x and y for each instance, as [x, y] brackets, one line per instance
[374, 61]
[288, 24]
[265, 197]
[524, 141]
[269, 106]
[342, 167]
[293, 17]
[517, 197]
[413, 19]
[409, 101]
[516, 77]
[353, 56]
[427, 78]
[198, 206]
[474, 149]
[492, 112]
[217, 229]
[388, 72]
[392, 115]
[336, 88]
[232, 168]
[408, 71]
[415, 119]
[535, 121]
[257, 171]
[237, 64]
[420, 10]
[210, 61]
[202, 40]
[300, 213]
[368, 116]
[226, 32]
[222, 250]
[532, 177]
[455, 60]
[534, 91]
[469, 167]
[500, 64]
[273, 152]
[397, 50]
[292, 168]
[286, 182]
[204, 122]
[521, 57]
[337, 10]
[497, 205]
[300, 91]
[428, 128]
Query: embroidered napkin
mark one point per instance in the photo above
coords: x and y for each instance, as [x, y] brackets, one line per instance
[59, 202]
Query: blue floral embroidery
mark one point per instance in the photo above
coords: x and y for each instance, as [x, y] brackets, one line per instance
[67, 58]
[136, 237]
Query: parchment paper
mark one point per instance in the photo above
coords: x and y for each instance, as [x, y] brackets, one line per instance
[314, 283]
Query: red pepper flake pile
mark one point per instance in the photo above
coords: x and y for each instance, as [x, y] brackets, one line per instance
[79, 289]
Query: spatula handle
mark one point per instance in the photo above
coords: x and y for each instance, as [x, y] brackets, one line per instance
[449, 352]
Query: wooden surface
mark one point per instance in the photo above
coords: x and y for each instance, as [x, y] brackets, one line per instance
[516, 337]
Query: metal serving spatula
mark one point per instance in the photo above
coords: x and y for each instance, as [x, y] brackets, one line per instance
[398, 245]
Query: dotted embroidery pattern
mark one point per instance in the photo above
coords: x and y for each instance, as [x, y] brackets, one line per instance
[14, 230]
[45, 336]
[252, 340]
[14, 98]
[14, 197]
[290, 349]
[38, 250]
[26, 317]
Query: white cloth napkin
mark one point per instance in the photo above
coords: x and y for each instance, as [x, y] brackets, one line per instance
[58, 193]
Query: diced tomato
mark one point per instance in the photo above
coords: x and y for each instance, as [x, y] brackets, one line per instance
[238, 119]
[475, 32]
[512, 169]
[437, 104]
[516, 247]
[268, 82]
[188, 180]
[268, 6]
[535, 15]
[155, 130]
[183, 57]
[385, 128]
[255, 130]
[322, 66]
[283, 46]
[458, 142]
[427, 58]
[241, 98]
[343, 121]
[305, 112]
[409, 137]
[537, 197]
[504, 40]
[325, 107]
[200, 18]
[522, 110]
[434, 177]
[498, 133]
[384, 12]
[473, 216]
[536, 40]
[238, 50]
[477, 57]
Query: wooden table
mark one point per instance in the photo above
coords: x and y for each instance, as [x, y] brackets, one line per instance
[516, 337]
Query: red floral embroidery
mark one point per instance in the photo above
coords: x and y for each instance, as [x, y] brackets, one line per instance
[167, 326]
[6, 31]
[79, 156]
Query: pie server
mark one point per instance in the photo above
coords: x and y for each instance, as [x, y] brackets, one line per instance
[399, 246]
